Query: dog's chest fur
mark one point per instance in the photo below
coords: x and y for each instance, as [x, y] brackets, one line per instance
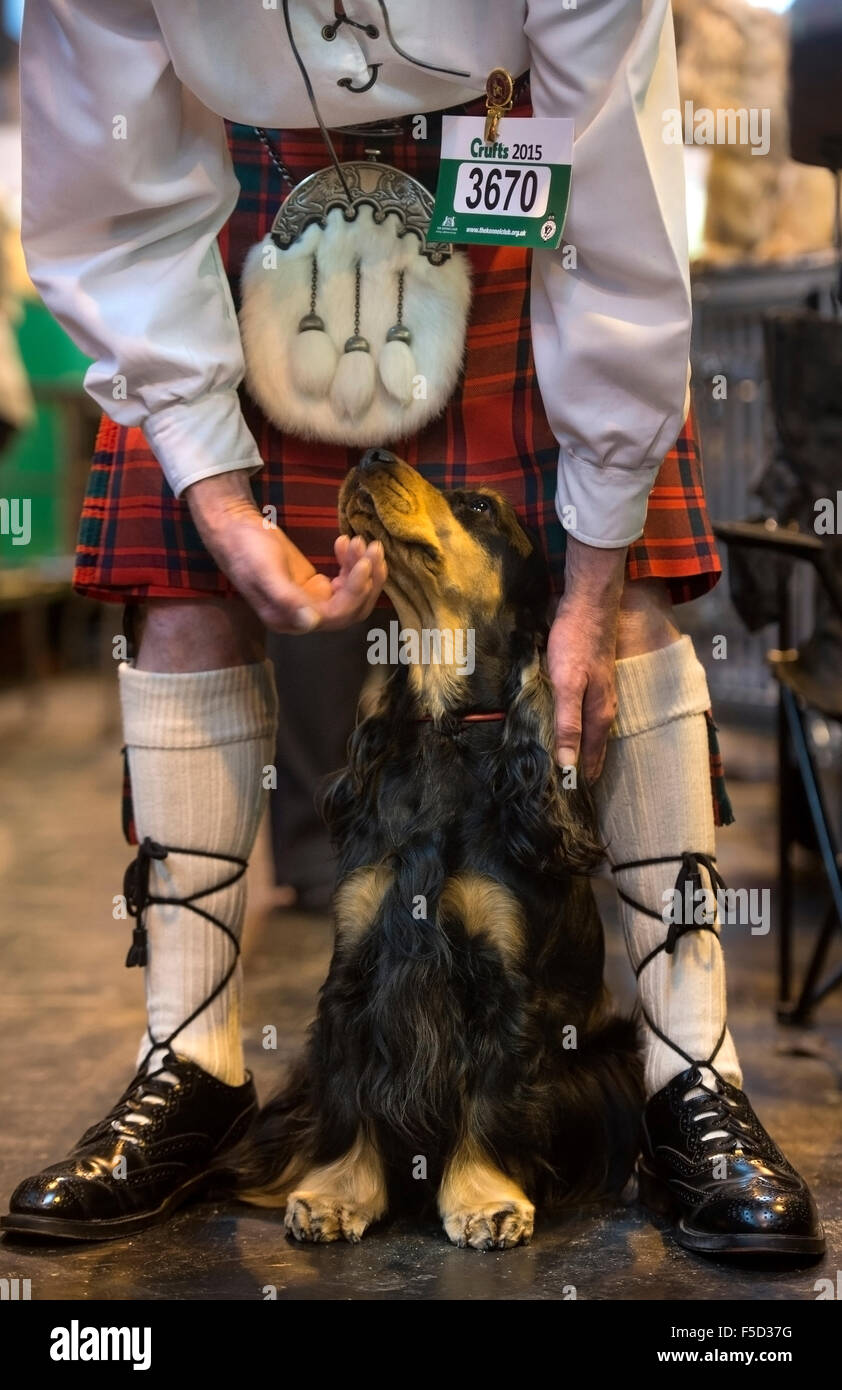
[439, 928]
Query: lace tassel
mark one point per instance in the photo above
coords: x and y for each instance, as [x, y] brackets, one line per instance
[136, 893]
[138, 953]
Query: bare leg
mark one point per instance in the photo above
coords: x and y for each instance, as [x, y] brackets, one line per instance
[646, 622]
[184, 635]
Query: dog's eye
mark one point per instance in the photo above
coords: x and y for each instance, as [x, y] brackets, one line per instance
[479, 504]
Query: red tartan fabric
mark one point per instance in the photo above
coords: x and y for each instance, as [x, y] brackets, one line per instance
[136, 540]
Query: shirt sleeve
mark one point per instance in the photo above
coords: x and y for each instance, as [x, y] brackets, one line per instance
[127, 180]
[611, 334]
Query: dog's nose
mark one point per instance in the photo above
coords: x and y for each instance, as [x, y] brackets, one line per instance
[377, 458]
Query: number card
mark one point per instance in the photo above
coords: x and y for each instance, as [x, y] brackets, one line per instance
[513, 192]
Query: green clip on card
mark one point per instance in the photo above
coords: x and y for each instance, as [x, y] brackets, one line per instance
[513, 192]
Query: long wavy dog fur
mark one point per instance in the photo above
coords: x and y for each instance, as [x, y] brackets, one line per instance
[464, 1047]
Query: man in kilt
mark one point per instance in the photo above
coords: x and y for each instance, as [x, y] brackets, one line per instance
[159, 140]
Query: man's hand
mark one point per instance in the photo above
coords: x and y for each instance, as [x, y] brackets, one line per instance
[581, 654]
[279, 583]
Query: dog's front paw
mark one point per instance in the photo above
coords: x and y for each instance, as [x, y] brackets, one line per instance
[493, 1226]
[316, 1217]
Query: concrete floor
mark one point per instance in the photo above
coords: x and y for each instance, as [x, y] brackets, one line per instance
[70, 1015]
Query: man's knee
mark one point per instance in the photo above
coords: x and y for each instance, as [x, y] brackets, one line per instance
[646, 622]
[181, 635]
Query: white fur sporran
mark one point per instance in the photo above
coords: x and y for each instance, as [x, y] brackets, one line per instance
[353, 326]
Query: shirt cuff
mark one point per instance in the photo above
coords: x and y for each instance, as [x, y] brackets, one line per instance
[603, 506]
[201, 439]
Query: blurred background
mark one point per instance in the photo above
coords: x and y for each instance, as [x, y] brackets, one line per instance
[767, 374]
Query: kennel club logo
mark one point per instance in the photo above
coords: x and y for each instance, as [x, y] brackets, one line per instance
[75, 1343]
[426, 646]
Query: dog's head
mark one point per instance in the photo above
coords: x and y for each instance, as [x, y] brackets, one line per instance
[461, 562]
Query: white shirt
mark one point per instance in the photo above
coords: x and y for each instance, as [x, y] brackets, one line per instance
[120, 233]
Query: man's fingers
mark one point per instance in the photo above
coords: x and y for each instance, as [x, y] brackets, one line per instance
[379, 570]
[567, 754]
[568, 727]
[582, 723]
[359, 578]
[352, 555]
[369, 594]
[318, 588]
[593, 758]
[287, 618]
[284, 607]
[305, 619]
[297, 566]
[599, 713]
[348, 601]
[350, 550]
[371, 601]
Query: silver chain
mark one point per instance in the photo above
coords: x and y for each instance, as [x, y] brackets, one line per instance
[273, 155]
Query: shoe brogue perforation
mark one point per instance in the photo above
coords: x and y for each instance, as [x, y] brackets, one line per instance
[154, 1175]
[162, 1161]
[709, 1165]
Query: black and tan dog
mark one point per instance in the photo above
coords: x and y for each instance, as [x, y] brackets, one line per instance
[463, 1035]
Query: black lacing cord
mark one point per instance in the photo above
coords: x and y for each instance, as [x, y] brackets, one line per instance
[329, 31]
[718, 1112]
[402, 53]
[148, 1088]
[690, 860]
[142, 1086]
[311, 97]
[138, 899]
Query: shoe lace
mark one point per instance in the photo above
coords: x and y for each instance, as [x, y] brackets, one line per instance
[136, 1107]
[145, 1096]
[726, 1131]
[691, 861]
[139, 898]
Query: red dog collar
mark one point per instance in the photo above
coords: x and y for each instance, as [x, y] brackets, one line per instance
[466, 718]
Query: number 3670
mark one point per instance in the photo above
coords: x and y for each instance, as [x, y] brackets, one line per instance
[502, 188]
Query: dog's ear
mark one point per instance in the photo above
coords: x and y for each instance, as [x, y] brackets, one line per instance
[343, 800]
[547, 825]
[346, 800]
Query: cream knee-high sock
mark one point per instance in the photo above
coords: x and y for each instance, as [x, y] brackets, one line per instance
[654, 799]
[197, 745]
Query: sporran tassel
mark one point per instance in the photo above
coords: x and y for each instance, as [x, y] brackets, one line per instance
[396, 363]
[313, 359]
[353, 385]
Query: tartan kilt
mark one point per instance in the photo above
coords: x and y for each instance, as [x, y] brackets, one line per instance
[137, 541]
